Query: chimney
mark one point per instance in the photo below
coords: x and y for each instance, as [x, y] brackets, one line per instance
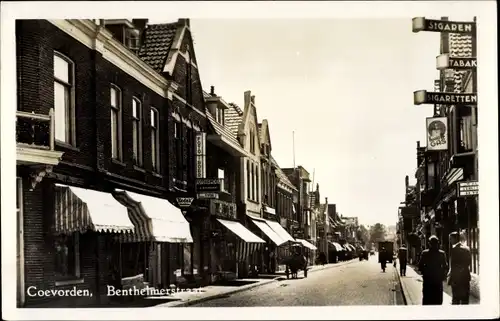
[184, 22]
[407, 182]
[212, 91]
[418, 144]
[248, 95]
[326, 200]
[252, 99]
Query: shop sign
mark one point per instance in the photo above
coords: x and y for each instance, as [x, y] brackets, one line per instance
[470, 188]
[213, 185]
[207, 195]
[200, 154]
[184, 201]
[445, 61]
[445, 26]
[425, 97]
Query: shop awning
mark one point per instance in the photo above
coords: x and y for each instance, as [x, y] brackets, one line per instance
[307, 244]
[155, 219]
[336, 245]
[269, 232]
[78, 210]
[280, 231]
[248, 242]
[241, 231]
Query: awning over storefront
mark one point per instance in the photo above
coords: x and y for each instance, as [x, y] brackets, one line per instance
[248, 243]
[349, 247]
[307, 244]
[280, 231]
[155, 219]
[336, 246]
[269, 232]
[78, 209]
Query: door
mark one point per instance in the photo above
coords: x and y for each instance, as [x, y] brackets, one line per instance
[20, 244]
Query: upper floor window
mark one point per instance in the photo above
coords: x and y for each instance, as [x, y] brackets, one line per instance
[116, 122]
[219, 113]
[137, 131]
[252, 141]
[221, 174]
[249, 188]
[178, 148]
[155, 140]
[64, 110]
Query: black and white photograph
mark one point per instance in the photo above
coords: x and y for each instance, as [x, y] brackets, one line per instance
[287, 160]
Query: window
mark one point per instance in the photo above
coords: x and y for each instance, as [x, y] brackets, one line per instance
[249, 190]
[466, 132]
[155, 140]
[252, 142]
[225, 180]
[178, 148]
[219, 113]
[191, 142]
[116, 123]
[252, 197]
[137, 131]
[67, 256]
[63, 98]
[257, 189]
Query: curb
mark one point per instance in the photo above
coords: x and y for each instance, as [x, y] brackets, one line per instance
[243, 288]
[403, 292]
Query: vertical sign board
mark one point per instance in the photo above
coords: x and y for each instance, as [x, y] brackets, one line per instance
[200, 153]
[437, 133]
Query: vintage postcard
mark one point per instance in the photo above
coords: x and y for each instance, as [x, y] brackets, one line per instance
[289, 160]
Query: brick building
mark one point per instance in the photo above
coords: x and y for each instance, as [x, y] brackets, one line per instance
[99, 122]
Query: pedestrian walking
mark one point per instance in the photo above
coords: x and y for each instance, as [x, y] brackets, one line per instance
[382, 258]
[459, 275]
[433, 266]
[403, 260]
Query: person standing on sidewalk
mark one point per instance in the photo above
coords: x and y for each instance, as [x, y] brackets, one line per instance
[403, 260]
[459, 275]
[433, 266]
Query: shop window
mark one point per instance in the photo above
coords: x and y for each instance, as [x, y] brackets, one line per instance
[67, 256]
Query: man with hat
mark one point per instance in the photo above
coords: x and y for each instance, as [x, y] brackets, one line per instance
[403, 260]
[459, 276]
[433, 266]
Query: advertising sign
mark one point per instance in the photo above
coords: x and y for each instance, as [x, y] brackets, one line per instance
[437, 133]
[425, 97]
[184, 201]
[445, 61]
[463, 27]
[213, 185]
[207, 195]
[470, 188]
[200, 152]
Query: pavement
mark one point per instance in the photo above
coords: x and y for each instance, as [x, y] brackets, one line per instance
[346, 283]
[411, 285]
[214, 292]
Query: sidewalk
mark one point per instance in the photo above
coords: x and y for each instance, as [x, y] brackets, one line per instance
[411, 285]
[183, 299]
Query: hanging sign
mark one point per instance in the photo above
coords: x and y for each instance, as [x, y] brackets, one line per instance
[425, 97]
[422, 24]
[470, 188]
[200, 153]
[445, 61]
[437, 133]
[184, 201]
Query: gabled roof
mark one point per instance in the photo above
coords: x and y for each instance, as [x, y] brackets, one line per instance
[263, 129]
[157, 41]
[282, 177]
[247, 111]
[233, 117]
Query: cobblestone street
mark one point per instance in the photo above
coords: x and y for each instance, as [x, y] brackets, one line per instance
[357, 283]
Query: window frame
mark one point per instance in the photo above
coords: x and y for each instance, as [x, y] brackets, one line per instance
[70, 113]
[137, 121]
[119, 128]
[178, 149]
[155, 139]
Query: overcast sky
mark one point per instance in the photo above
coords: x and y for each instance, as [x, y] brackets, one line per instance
[345, 86]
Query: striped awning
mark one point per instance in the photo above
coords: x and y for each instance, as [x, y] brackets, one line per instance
[155, 219]
[269, 232]
[78, 210]
[336, 245]
[247, 242]
[306, 244]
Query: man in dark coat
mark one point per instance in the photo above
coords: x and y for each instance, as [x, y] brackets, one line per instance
[403, 260]
[459, 274]
[433, 266]
[382, 258]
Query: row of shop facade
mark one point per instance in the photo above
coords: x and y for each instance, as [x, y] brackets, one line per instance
[130, 174]
[445, 196]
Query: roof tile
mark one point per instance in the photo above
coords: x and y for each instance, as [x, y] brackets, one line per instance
[158, 39]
